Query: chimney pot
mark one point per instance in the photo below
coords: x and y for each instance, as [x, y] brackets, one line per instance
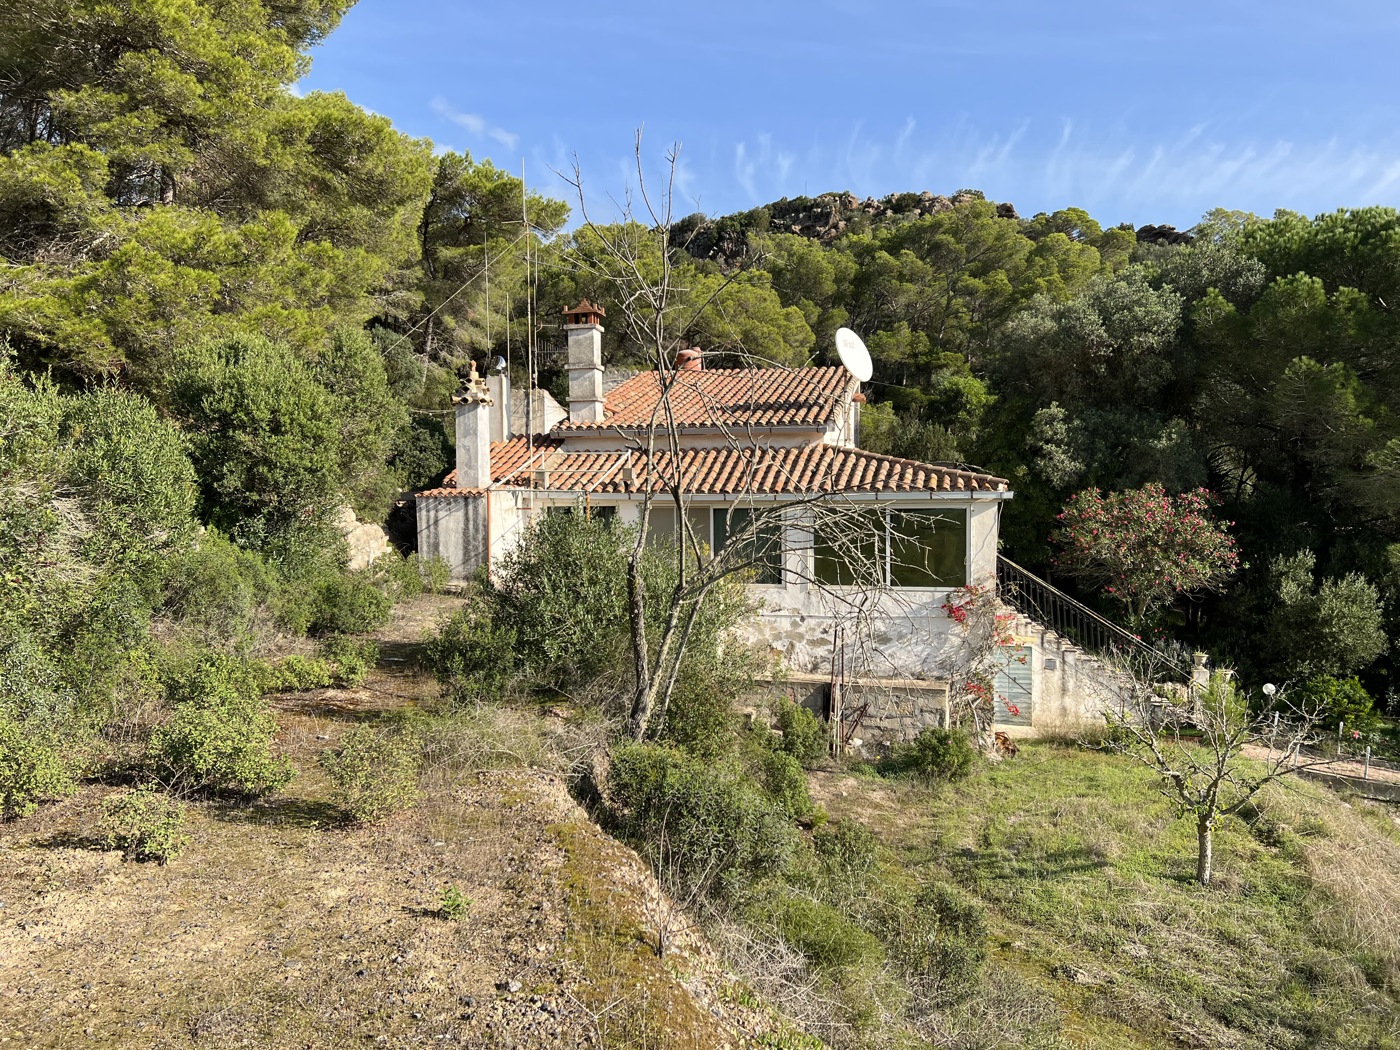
[691, 360]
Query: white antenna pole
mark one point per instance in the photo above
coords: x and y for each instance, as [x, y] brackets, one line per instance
[486, 254]
[529, 327]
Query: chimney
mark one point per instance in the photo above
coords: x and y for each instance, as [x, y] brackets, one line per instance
[498, 386]
[473, 405]
[691, 360]
[584, 323]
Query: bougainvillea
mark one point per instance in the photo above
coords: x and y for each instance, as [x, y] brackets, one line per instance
[1143, 547]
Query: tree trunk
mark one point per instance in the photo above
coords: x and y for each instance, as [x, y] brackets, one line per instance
[636, 607]
[1205, 845]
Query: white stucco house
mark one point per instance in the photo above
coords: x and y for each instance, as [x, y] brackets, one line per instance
[747, 441]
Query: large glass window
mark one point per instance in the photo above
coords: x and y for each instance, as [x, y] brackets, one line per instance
[895, 548]
[848, 547]
[928, 548]
[762, 540]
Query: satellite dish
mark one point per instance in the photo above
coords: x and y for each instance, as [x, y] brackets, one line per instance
[853, 354]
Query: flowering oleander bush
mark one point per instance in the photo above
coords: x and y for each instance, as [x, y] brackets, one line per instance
[1143, 547]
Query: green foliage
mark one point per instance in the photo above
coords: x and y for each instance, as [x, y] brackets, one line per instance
[562, 593]
[828, 939]
[1145, 547]
[804, 737]
[935, 755]
[219, 588]
[263, 435]
[352, 657]
[1332, 628]
[707, 821]
[940, 939]
[473, 657]
[1339, 700]
[219, 735]
[453, 904]
[786, 784]
[374, 771]
[34, 767]
[144, 824]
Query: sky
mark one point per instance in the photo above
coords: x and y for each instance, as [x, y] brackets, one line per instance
[1141, 111]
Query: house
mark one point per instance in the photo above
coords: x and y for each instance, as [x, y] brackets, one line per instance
[779, 446]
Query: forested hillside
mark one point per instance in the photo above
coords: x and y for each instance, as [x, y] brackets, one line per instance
[227, 306]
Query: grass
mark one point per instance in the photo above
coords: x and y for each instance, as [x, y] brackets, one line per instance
[1088, 875]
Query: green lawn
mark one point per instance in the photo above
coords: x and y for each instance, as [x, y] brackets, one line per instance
[1088, 875]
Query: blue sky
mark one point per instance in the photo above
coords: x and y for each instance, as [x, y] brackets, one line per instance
[1137, 111]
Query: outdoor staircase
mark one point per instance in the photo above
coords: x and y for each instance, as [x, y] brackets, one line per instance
[1046, 609]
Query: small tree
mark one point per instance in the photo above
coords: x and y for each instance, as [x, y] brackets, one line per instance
[1207, 777]
[1143, 546]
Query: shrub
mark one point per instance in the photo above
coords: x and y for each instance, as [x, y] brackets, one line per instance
[144, 824]
[700, 717]
[349, 604]
[804, 736]
[705, 820]
[939, 938]
[786, 784]
[220, 735]
[352, 657]
[472, 656]
[824, 935]
[1339, 700]
[563, 594]
[33, 768]
[847, 849]
[934, 755]
[375, 772]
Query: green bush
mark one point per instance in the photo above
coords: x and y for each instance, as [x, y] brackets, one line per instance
[473, 657]
[934, 755]
[700, 717]
[804, 736]
[824, 935]
[846, 849]
[352, 658]
[938, 938]
[33, 768]
[786, 784]
[145, 824]
[349, 604]
[220, 734]
[705, 820]
[1337, 700]
[375, 772]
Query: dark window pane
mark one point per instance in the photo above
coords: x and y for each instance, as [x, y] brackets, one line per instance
[763, 543]
[606, 514]
[928, 548]
[848, 548]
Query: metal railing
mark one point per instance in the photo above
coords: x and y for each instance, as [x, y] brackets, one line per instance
[1051, 607]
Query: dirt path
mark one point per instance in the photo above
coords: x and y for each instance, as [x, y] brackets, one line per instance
[1384, 772]
[282, 926]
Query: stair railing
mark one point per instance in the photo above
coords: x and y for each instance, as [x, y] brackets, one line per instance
[1051, 607]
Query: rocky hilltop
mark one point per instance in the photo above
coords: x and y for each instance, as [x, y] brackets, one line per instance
[828, 216]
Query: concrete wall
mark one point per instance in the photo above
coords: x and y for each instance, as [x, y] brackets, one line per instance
[454, 529]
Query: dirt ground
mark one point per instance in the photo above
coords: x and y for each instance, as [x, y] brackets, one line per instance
[283, 926]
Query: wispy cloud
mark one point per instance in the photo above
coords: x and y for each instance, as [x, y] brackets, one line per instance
[474, 123]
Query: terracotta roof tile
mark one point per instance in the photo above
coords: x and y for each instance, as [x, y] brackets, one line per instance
[727, 397]
[800, 470]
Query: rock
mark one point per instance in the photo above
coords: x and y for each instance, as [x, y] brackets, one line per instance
[367, 543]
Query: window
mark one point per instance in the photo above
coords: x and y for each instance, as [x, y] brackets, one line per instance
[928, 548]
[848, 547]
[763, 542]
[661, 525]
[896, 548]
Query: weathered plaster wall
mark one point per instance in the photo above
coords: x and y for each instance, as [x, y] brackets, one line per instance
[454, 529]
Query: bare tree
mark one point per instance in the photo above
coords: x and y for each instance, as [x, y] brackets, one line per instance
[1195, 747]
